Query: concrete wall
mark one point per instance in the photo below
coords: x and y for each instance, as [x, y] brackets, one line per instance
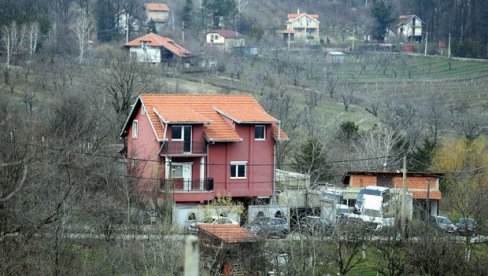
[149, 54]
[214, 38]
[267, 211]
[181, 213]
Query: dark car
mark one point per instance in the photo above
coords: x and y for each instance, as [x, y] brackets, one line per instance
[443, 223]
[466, 226]
[269, 227]
[315, 225]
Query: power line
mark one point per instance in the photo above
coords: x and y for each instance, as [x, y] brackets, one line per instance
[211, 164]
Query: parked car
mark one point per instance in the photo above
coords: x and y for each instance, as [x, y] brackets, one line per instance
[193, 228]
[315, 225]
[466, 226]
[443, 223]
[269, 227]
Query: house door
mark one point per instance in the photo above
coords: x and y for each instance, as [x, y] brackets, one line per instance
[181, 174]
[187, 139]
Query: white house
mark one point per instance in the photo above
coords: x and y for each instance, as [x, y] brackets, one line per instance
[302, 27]
[225, 39]
[410, 27]
[154, 48]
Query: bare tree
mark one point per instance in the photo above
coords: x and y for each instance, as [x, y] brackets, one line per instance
[83, 27]
[13, 40]
[381, 141]
[122, 82]
[33, 34]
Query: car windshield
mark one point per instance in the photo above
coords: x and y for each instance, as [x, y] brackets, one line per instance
[469, 221]
[279, 221]
[445, 220]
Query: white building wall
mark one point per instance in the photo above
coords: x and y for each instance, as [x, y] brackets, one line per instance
[181, 213]
[214, 38]
[149, 54]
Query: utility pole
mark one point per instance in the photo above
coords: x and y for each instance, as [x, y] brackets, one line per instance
[426, 42]
[404, 199]
[353, 38]
[182, 31]
[126, 27]
[449, 46]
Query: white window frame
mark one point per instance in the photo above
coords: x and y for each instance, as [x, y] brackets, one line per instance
[182, 137]
[237, 164]
[135, 129]
[264, 133]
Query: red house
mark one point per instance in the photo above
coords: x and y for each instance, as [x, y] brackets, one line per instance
[193, 147]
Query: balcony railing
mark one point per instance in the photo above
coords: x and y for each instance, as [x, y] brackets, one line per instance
[184, 147]
[182, 185]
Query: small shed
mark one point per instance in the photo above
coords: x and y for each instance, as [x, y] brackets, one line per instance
[335, 57]
[230, 249]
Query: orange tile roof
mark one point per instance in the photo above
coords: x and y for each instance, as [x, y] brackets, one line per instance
[288, 31]
[156, 40]
[156, 7]
[435, 195]
[277, 132]
[228, 233]
[196, 108]
[295, 15]
[177, 114]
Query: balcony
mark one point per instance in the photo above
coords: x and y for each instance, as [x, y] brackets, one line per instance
[182, 185]
[184, 148]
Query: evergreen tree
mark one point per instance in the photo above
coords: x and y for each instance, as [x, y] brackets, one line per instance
[105, 20]
[420, 159]
[382, 17]
[219, 11]
[311, 159]
[187, 15]
[151, 27]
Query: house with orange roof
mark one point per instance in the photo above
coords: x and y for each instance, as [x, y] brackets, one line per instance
[154, 48]
[423, 186]
[191, 149]
[302, 27]
[225, 39]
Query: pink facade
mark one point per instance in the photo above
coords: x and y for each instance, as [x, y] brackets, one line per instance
[184, 164]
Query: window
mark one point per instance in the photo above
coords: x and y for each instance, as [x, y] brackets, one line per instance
[143, 110]
[191, 217]
[260, 133]
[238, 170]
[177, 171]
[135, 125]
[177, 133]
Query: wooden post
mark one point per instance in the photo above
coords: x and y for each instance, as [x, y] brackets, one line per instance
[192, 256]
